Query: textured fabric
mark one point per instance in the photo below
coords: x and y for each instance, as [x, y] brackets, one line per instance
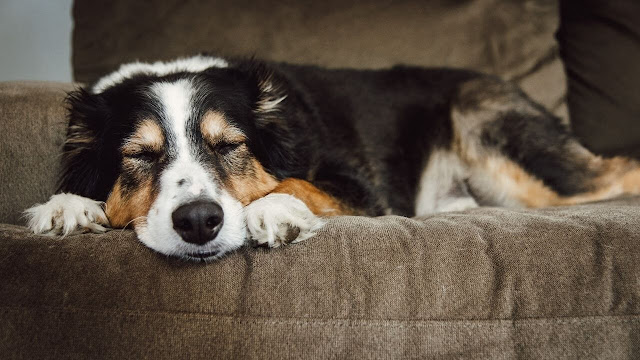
[513, 39]
[600, 45]
[32, 128]
[487, 283]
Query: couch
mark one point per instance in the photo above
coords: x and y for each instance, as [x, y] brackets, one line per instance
[485, 283]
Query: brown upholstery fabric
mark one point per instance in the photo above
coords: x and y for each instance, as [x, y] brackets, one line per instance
[487, 283]
[32, 127]
[513, 39]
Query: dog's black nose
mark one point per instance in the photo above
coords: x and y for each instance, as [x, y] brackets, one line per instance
[198, 222]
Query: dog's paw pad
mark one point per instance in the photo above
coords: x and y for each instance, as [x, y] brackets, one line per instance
[66, 214]
[279, 219]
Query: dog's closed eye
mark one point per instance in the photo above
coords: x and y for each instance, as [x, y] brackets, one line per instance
[145, 144]
[147, 156]
[225, 148]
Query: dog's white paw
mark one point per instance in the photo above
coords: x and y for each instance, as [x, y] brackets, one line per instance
[278, 219]
[66, 214]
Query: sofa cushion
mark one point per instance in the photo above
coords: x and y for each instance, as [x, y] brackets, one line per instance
[487, 283]
[32, 127]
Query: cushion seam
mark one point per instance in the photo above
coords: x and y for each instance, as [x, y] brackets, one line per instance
[533, 321]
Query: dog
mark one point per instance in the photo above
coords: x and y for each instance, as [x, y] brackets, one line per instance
[203, 155]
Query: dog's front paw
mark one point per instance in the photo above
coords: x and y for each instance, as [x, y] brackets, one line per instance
[66, 214]
[278, 219]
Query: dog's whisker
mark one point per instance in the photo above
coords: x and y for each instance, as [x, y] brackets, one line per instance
[131, 221]
[120, 233]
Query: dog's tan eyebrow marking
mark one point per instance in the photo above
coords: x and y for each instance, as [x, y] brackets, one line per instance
[147, 136]
[215, 129]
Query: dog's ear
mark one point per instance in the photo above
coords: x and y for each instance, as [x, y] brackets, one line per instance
[268, 90]
[81, 158]
[271, 93]
[276, 125]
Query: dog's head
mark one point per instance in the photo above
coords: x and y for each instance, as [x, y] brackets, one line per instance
[176, 150]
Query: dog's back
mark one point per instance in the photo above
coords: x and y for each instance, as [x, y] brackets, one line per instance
[413, 141]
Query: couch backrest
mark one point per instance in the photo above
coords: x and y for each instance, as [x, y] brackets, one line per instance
[513, 39]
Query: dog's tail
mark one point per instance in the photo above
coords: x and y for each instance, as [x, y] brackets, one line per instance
[614, 177]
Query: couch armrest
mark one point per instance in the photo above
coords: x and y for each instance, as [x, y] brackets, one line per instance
[32, 128]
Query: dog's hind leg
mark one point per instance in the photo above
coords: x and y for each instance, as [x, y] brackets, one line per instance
[518, 154]
[442, 186]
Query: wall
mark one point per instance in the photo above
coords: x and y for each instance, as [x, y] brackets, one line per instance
[35, 40]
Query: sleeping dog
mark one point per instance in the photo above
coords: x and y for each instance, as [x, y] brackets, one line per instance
[204, 154]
